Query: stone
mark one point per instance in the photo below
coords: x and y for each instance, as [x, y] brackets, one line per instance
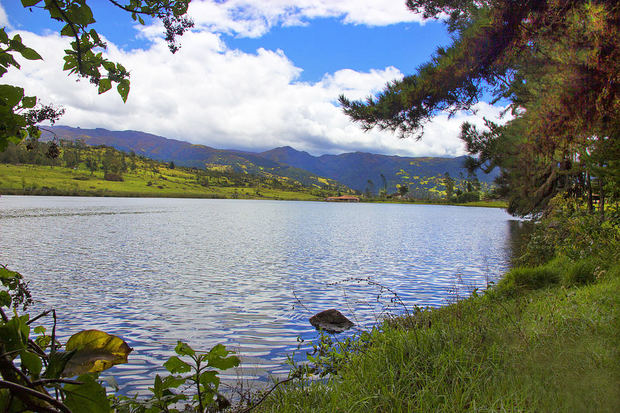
[331, 321]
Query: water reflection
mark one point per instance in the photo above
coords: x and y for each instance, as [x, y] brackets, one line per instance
[248, 274]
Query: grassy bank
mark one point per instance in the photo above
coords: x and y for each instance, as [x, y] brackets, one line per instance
[546, 338]
[532, 344]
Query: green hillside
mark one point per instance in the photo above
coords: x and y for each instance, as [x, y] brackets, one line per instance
[77, 169]
[368, 173]
[185, 153]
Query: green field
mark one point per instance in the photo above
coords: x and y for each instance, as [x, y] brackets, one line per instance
[55, 180]
[162, 182]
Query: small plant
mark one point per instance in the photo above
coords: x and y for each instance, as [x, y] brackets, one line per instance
[200, 373]
[37, 374]
[328, 356]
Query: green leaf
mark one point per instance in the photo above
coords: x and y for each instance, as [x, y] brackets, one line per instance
[14, 334]
[216, 357]
[183, 349]
[88, 397]
[104, 85]
[95, 351]
[67, 30]
[30, 3]
[70, 62]
[123, 89]
[4, 38]
[5, 299]
[209, 379]
[173, 381]
[158, 387]
[8, 274]
[109, 66]
[94, 35]
[29, 102]
[39, 330]
[32, 362]
[11, 95]
[83, 15]
[175, 365]
[224, 363]
[30, 54]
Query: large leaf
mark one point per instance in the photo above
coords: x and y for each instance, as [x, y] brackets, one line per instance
[95, 351]
[88, 397]
[57, 362]
[14, 335]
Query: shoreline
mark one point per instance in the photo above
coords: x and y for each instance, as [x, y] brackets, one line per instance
[120, 194]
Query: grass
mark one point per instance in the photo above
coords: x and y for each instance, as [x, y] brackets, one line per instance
[545, 348]
[47, 180]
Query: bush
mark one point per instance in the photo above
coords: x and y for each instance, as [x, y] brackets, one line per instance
[521, 279]
[575, 233]
[110, 176]
[581, 273]
[468, 197]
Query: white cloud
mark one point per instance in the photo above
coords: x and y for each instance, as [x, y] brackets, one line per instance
[4, 20]
[210, 94]
[251, 18]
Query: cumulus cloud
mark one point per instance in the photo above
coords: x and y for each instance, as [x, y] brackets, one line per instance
[251, 18]
[4, 20]
[211, 94]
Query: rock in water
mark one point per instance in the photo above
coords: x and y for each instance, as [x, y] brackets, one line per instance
[332, 321]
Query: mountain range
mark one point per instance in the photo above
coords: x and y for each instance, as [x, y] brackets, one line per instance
[357, 170]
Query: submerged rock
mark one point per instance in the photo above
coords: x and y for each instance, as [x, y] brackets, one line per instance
[332, 321]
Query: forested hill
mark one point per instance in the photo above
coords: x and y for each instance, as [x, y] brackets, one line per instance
[361, 171]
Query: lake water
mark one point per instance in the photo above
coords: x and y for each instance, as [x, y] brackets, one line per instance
[247, 274]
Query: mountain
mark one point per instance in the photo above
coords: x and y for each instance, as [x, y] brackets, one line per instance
[357, 168]
[354, 170]
[185, 153]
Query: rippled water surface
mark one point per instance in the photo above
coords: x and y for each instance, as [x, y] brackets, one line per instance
[244, 273]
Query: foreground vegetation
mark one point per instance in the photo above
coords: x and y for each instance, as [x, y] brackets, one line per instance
[545, 338]
[553, 349]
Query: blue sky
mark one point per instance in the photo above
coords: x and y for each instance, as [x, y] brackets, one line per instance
[252, 75]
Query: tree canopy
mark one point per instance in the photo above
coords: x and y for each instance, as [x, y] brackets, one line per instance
[554, 62]
[85, 57]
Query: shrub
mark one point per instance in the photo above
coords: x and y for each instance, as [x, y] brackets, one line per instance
[521, 279]
[110, 176]
[581, 273]
[468, 197]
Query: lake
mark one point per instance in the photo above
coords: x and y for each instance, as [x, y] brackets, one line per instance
[244, 273]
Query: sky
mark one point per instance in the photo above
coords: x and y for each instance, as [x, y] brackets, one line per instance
[251, 75]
